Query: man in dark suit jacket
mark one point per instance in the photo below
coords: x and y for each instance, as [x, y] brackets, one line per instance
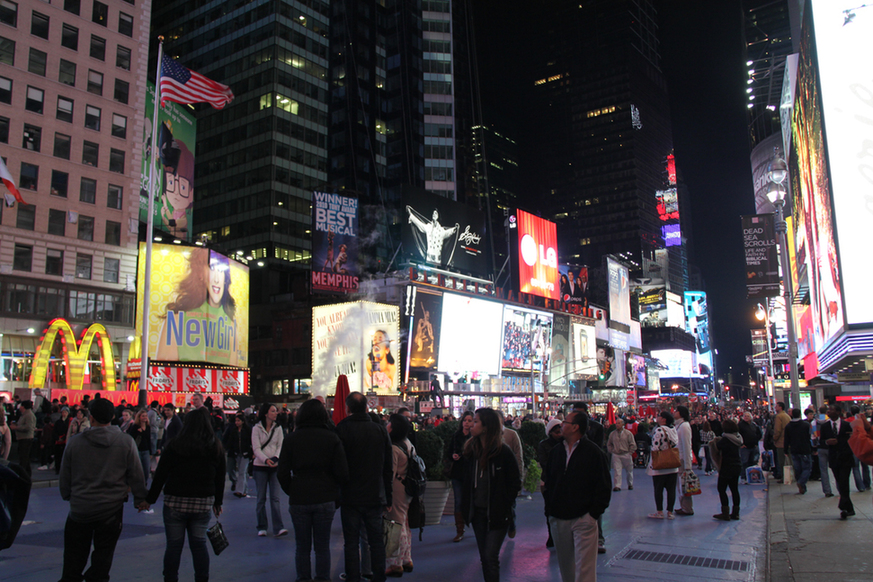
[595, 434]
[835, 434]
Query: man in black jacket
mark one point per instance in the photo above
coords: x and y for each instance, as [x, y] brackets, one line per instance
[368, 493]
[751, 434]
[835, 433]
[799, 445]
[579, 490]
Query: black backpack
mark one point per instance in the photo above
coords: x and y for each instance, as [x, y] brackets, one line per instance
[415, 481]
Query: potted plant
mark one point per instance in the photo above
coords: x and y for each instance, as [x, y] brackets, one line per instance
[429, 446]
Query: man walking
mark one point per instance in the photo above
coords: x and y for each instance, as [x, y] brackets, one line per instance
[577, 482]
[835, 433]
[621, 445]
[99, 467]
[779, 423]
[683, 430]
[800, 447]
[369, 492]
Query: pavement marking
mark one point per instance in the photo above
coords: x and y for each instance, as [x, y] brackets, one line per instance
[736, 564]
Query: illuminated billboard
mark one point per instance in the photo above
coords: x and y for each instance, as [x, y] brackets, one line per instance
[425, 335]
[74, 355]
[842, 30]
[561, 356]
[204, 380]
[619, 296]
[527, 340]
[652, 301]
[534, 255]
[471, 335]
[762, 258]
[584, 364]
[198, 306]
[679, 363]
[697, 319]
[334, 243]
[359, 339]
[636, 370]
[610, 363]
[573, 284]
[174, 168]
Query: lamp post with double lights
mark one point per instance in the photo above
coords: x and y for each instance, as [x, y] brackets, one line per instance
[777, 173]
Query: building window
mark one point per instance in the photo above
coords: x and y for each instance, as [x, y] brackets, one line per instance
[122, 89]
[7, 51]
[90, 153]
[119, 126]
[4, 130]
[98, 48]
[5, 90]
[86, 228]
[67, 73]
[88, 191]
[95, 82]
[116, 160]
[125, 24]
[122, 58]
[54, 261]
[26, 217]
[39, 25]
[100, 15]
[92, 117]
[62, 146]
[57, 222]
[83, 266]
[72, 6]
[23, 260]
[36, 62]
[65, 109]
[9, 13]
[60, 183]
[70, 37]
[32, 138]
[29, 177]
[34, 100]
[114, 197]
[113, 233]
[111, 268]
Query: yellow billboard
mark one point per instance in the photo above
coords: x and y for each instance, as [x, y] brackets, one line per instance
[198, 306]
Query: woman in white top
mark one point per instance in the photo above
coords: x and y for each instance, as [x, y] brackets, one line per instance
[665, 437]
[267, 437]
[5, 436]
[401, 560]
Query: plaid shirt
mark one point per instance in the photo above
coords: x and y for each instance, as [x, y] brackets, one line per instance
[189, 504]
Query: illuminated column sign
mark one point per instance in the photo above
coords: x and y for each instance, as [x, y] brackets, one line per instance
[75, 355]
[668, 212]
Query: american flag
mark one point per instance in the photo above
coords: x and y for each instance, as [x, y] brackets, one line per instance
[181, 85]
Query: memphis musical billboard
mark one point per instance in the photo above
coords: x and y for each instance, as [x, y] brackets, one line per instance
[334, 243]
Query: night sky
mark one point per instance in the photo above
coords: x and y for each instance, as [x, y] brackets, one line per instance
[701, 55]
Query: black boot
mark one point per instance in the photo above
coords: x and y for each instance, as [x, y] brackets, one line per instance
[724, 515]
[735, 514]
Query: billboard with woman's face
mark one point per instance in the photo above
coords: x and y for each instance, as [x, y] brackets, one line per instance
[198, 306]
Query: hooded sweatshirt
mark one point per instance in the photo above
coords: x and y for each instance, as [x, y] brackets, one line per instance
[729, 445]
[98, 468]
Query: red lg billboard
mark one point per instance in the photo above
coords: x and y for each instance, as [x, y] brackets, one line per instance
[536, 247]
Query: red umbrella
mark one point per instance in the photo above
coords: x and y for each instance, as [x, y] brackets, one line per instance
[610, 413]
[339, 399]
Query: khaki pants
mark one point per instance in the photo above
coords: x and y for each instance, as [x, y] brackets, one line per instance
[626, 463]
[576, 547]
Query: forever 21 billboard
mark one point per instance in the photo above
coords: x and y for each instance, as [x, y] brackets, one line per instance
[442, 233]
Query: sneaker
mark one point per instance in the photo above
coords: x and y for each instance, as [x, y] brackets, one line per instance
[262, 533]
[657, 515]
[670, 515]
[601, 549]
[149, 511]
[43, 468]
[616, 488]
[829, 494]
[282, 532]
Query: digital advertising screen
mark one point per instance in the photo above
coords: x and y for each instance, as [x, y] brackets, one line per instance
[636, 370]
[527, 340]
[334, 243]
[584, 365]
[174, 169]
[610, 362]
[443, 233]
[652, 300]
[573, 284]
[198, 306]
[471, 335]
[679, 363]
[425, 334]
[534, 254]
[619, 296]
[561, 356]
[697, 319]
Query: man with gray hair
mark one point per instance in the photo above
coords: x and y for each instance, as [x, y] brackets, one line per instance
[751, 434]
[621, 445]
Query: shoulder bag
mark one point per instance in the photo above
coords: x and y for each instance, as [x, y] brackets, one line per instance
[217, 538]
[666, 459]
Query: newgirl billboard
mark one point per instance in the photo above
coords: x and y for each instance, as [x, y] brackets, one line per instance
[334, 243]
[534, 255]
[198, 306]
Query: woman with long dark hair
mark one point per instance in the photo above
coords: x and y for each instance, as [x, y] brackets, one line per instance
[237, 442]
[729, 472]
[401, 560]
[312, 465]
[267, 438]
[141, 432]
[191, 473]
[491, 483]
[455, 464]
[664, 438]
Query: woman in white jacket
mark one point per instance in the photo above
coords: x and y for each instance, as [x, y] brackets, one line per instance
[267, 437]
[665, 437]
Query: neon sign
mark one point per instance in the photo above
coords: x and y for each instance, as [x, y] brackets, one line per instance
[74, 353]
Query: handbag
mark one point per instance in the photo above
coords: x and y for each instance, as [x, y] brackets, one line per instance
[690, 484]
[665, 459]
[217, 538]
[391, 535]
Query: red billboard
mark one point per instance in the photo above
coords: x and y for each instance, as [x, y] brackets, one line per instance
[535, 244]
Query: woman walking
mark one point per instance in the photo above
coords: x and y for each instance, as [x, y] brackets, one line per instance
[191, 473]
[401, 560]
[141, 432]
[267, 437]
[729, 472]
[312, 465]
[237, 442]
[664, 438]
[491, 483]
[455, 465]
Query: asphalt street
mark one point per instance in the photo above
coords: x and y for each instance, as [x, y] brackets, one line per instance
[638, 548]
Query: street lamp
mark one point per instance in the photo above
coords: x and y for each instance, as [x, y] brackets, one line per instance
[777, 173]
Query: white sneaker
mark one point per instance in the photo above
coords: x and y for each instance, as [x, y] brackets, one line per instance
[262, 533]
[282, 532]
[149, 511]
[43, 468]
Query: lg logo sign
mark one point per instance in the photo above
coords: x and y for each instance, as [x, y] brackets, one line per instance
[531, 253]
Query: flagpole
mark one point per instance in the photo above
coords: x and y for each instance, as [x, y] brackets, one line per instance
[150, 224]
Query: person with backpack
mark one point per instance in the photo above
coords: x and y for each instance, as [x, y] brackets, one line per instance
[401, 560]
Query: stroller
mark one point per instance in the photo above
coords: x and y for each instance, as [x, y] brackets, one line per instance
[641, 456]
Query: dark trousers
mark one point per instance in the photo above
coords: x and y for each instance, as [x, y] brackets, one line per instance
[489, 541]
[779, 467]
[78, 537]
[353, 518]
[667, 482]
[24, 447]
[841, 476]
[729, 477]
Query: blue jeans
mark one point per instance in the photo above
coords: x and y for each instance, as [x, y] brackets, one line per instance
[236, 472]
[78, 537]
[353, 518]
[802, 468]
[146, 459]
[825, 476]
[489, 541]
[457, 490]
[312, 525]
[861, 473]
[176, 524]
[262, 477]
